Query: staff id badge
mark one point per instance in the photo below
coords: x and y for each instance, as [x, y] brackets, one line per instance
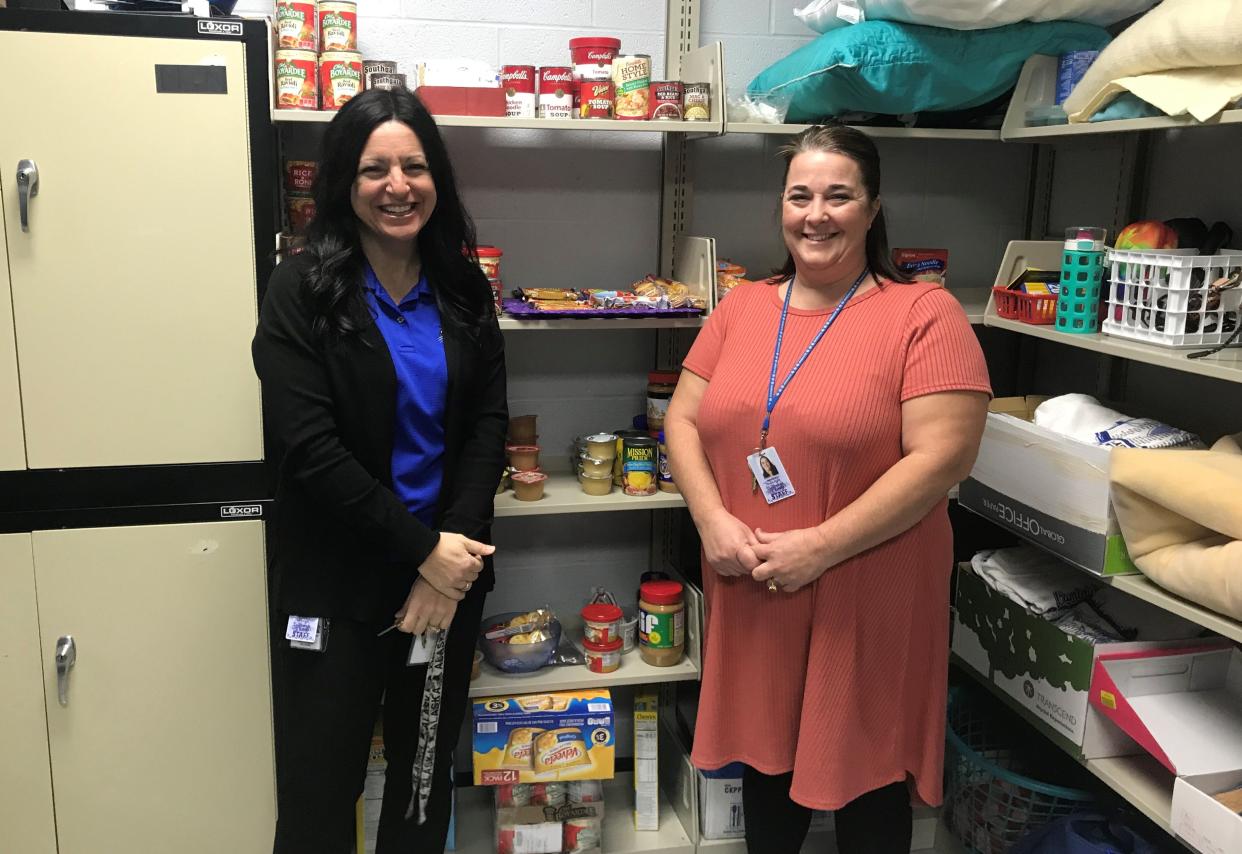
[769, 472]
[307, 633]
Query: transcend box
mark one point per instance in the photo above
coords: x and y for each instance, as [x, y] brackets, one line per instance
[535, 738]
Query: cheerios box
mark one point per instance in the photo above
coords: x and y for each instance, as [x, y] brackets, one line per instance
[536, 738]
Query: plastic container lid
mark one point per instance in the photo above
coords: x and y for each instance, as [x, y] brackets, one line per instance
[605, 646]
[661, 592]
[528, 476]
[595, 41]
[490, 252]
[521, 449]
[601, 612]
[664, 377]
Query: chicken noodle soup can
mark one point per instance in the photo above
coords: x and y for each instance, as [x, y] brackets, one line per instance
[638, 466]
[631, 75]
[556, 92]
[518, 81]
[698, 102]
[338, 26]
[297, 25]
[340, 78]
[666, 97]
[595, 99]
[297, 81]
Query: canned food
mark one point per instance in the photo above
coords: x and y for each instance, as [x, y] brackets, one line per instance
[514, 795]
[300, 175]
[549, 794]
[592, 57]
[489, 261]
[385, 80]
[602, 656]
[301, 210]
[340, 78]
[581, 834]
[379, 66]
[666, 98]
[595, 99]
[338, 26]
[556, 87]
[631, 75]
[297, 81]
[497, 296]
[586, 791]
[638, 466]
[297, 25]
[518, 81]
[698, 102]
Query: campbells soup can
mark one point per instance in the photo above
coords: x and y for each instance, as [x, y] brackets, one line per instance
[518, 81]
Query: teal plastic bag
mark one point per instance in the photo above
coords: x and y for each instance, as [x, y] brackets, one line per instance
[890, 68]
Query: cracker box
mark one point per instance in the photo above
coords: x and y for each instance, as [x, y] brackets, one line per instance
[536, 738]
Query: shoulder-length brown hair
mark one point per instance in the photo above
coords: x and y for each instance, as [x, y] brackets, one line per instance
[857, 146]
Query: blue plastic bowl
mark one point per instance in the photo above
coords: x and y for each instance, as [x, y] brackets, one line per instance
[518, 657]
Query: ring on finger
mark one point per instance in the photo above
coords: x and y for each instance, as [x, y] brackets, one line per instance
[466, 588]
[772, 586]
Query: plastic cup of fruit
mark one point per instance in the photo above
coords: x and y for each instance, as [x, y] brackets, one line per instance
[528, 485]
[602, 446]
[523, 457]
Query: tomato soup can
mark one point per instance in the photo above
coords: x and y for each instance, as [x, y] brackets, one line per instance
[297, 25]
[297, 81]
[518, 81]
[556, 92]
[595, 99]
[631, 75]
[338, 26]
[300, 175]
[340, 78]
[666, 97]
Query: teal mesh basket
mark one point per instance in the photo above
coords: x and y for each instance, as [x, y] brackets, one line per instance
[990, 802]
[1078, 306]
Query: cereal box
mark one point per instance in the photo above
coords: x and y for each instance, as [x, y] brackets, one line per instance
[536, 738]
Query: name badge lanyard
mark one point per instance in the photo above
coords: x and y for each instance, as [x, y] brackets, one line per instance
[774, 393]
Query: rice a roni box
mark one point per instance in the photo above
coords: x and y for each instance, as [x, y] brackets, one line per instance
[537, 738]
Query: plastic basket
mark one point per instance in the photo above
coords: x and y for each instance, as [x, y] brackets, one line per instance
[1165, 298]
[989, 804]
[1038, 309]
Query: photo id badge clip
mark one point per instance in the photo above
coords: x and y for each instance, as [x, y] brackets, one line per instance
[769, 472]
[307, 633]
[421, 648]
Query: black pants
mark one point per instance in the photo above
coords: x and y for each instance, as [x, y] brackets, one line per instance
[879, 822]
[326, 706]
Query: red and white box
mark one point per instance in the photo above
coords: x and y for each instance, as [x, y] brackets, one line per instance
[1185, 708]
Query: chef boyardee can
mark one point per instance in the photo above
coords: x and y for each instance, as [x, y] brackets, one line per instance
[638, 465]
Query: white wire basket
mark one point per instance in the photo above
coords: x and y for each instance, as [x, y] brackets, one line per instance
[1167, 298]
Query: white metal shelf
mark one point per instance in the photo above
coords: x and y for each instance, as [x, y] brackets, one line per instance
[875, 132]
[513, 324]
[476, 821]
[973, 300]
[633, 671]
[562, 494]
[1225, 365]
[505, 122]
[1141, 587]
[929, 835]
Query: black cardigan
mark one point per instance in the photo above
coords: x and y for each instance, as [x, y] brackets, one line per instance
[342, 542]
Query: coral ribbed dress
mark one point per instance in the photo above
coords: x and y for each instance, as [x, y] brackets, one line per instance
[844, 681]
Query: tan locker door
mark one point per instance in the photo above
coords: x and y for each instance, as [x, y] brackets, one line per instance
[12, 444]
[166, 741]
[27, 823]
[134, 292]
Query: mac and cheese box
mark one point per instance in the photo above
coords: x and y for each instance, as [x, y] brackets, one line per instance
[536, 738]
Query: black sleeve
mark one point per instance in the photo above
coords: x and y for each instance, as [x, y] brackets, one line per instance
[469, 509]
[298, 411]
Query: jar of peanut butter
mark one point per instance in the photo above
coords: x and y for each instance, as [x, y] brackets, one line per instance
[661, 623]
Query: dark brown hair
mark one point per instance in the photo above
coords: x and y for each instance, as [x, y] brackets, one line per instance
[857, 146]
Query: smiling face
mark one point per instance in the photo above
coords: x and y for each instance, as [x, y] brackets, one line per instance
[825, 214]
[393, 194]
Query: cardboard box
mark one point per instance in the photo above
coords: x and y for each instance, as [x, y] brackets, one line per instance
[462, 100]
[575, 728]
[1046, 488]
[1044, 669]
[720, 805]
[1185, 708]
[646, 761]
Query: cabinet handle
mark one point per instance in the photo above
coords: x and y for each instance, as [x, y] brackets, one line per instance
[27, 188]
[66, 657]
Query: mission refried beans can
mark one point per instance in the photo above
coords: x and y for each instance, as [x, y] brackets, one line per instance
[595, 99]
[666, 98]
[340, 78]
[297, 81]
[518, 81]
[556, 92]
[338, 26]
[297, 25]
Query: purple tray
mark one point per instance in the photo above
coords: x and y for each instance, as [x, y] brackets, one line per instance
[520, 310]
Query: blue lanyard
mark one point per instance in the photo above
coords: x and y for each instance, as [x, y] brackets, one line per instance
[774, 393]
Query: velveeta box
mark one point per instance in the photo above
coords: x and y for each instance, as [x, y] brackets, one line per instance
[538, 738]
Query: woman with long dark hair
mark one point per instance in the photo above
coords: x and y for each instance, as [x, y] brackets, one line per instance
[384, 404]
[826, 657]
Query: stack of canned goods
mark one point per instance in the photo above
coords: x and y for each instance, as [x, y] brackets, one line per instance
[317, 61]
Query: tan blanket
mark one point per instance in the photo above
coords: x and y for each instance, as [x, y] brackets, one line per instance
[1181, 515]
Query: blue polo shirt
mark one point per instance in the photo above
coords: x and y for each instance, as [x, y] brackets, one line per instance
[416, 344]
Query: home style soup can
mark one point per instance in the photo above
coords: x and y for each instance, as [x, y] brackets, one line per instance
[297, 81]
[297, 25]
[338, 26]
[340, 78]
[631, 75]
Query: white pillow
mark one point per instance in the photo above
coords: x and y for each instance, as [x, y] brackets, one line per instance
[1176, 34]
[821, 15]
